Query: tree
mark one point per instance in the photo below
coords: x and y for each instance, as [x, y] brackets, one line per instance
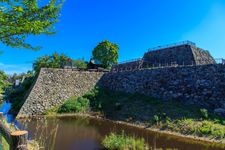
[51, 61]
[80, 63]
[21, 18]
[107, 53]
[3, 82]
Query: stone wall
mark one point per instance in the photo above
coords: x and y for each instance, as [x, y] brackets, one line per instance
[178, 55]
[203, 85]
[181, 55]
[133, 65]
[54, 86]
[202, 57]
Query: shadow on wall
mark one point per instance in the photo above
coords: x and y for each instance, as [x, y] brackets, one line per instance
[54, 86]
[201, 85]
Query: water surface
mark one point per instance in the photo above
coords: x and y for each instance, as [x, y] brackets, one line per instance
[80, 133]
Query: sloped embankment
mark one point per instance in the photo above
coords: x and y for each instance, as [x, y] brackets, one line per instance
[54, 86]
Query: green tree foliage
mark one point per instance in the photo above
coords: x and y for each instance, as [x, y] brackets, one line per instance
[80, 63]
[21, 18]
[17, 94]
[51, 61]
[3, 82]
[74, 104]
[107, 53]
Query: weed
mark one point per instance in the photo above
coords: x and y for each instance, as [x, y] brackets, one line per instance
[74, 104]
[122, 141]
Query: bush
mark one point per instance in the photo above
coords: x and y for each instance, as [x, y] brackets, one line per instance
[156, 119]
[204, 113]
[212, 129]
[74, 105]
[206, 128]
[17, 95]
[201, 128]
[121, 142]
[93, 96]
[80, 63]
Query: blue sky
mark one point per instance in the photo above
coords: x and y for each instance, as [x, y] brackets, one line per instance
[135, 25]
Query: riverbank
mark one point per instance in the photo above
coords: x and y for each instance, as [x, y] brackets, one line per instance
[139, 125]
[168, 117]
[11, 128]
[79, 127]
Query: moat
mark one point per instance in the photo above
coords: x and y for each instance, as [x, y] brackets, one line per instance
[81, 133]
[87, 133]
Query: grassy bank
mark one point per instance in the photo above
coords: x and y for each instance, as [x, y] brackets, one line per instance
[123, 142]
[32, 144]
[153, 113]
[5, 144]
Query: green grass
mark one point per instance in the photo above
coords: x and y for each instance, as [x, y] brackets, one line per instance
[198, 122]
[164, 115]
[5, 144]
[53, 111]
[123, 142]
[202, 128]
[74, 105]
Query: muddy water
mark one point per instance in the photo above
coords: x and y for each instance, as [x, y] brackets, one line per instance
[79, 133]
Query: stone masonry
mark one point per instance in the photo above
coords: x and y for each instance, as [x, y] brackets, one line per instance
[202, 85]
[196, 79]
[54, 86]
[180, 54]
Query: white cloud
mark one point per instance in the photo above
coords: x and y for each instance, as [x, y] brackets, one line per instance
[15, 68]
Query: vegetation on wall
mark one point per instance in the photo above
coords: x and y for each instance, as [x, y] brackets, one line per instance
[164, 115]
[74, 105]
[55, 60]
[80, 63]
[107, 53]
[17, 94]
[21, 18]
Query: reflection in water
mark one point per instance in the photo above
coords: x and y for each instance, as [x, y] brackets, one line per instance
[58, 134]
[5, 107]
[78, 133]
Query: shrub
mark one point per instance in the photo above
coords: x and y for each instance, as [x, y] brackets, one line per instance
[156, 119]
[218, 132]
[206, 128]
[121, 142]
[74, 105]
[204, 113]
[168, 123]
[212, 129]
[17, 95]
[201, 128]
[93, 96]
